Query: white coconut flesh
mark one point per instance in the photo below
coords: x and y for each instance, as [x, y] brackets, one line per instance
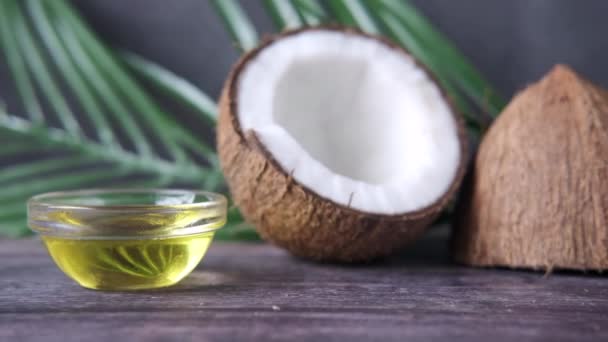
[351, 119]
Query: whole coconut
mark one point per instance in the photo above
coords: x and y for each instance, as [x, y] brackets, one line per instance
[538, 195]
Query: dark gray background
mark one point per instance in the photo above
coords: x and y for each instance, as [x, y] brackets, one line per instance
[513, 42]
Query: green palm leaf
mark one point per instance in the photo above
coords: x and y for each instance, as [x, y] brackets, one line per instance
[124, 137]
[474, 97]
[55, 59]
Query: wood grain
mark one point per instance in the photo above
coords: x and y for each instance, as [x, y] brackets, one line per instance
[258, 292]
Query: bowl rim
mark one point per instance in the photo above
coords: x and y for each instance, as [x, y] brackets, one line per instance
[42, 200]
[40, 209]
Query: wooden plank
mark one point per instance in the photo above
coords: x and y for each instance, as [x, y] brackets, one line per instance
[257, 292]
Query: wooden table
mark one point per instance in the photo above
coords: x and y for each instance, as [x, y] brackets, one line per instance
[247, 292]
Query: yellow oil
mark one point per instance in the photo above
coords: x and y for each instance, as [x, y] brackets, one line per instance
[128, 264]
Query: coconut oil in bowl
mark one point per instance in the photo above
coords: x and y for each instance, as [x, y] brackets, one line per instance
[127, 239]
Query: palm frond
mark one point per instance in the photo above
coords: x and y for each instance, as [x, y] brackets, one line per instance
[474, 97]
[453, 62]
[240, 27]
[353, 13]
[311, 12]
[125, 137]
[176, 87]
[398, 20]
[284, 14]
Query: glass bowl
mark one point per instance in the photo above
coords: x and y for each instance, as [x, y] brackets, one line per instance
[127, 239]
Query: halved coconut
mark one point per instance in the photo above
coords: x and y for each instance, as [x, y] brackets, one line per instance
[337, 145]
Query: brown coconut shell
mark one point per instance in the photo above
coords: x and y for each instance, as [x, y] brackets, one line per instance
[538, 196]
[296, 218]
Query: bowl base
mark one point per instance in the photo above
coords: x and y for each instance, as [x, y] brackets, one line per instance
[128, 287]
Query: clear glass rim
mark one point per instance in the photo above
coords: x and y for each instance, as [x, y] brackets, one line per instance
[45, 199]
[42, 208]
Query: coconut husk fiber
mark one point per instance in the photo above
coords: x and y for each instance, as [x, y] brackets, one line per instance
[538, 194]
[295, 217]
